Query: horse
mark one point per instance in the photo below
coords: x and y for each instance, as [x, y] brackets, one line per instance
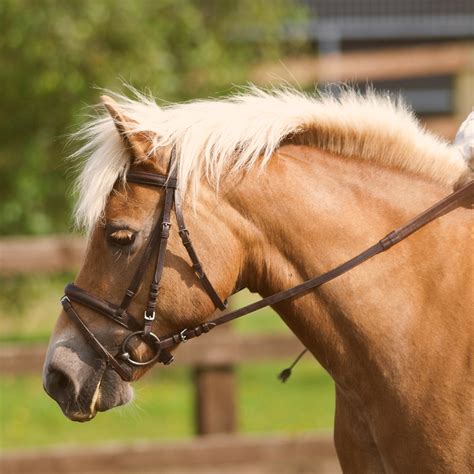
[278, 186]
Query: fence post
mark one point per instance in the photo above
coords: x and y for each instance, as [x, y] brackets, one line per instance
[215, 393]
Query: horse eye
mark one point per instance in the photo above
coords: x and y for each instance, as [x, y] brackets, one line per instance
[123, 237]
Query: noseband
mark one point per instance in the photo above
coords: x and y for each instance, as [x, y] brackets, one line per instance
[123, 362]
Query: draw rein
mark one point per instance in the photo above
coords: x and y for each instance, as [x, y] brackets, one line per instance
[123, 363]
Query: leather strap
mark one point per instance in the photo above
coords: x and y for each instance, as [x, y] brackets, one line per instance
[198, 268]
[142, 177]
[168, 181]
[74, 293]
[120, 315]
[160, 260]
[391, 239]
[125, 371]
[152, 179]
[78, 295]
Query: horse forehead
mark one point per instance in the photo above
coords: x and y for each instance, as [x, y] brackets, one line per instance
[131, 201]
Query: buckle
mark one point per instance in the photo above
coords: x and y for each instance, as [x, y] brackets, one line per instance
[184, 234]
[182, 336]
[165, 230]
[198, 270]
[149, 317]
[65, 299]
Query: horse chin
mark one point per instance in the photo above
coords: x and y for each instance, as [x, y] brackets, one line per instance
[111, 392]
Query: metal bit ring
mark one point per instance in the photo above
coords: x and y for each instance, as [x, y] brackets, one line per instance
[125, 355]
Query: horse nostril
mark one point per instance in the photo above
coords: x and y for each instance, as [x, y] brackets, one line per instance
[59, 386]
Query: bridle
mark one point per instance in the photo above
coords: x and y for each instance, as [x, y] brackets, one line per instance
[123, 362]
[119, 314]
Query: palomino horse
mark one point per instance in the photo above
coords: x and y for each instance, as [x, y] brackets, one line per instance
[279, 187]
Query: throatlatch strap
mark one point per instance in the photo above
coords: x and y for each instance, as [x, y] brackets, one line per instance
[198, 268]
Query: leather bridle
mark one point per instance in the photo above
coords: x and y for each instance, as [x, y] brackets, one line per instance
[119, 314]
[123, 362]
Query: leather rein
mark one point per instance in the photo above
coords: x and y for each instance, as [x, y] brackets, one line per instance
[123, 362]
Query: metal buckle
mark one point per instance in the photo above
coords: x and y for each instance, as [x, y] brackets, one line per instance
[65, 298]
[185, 238]
[182, 336]
[149, 318]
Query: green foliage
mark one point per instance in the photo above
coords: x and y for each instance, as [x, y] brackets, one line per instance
[53, 53]
[22, 321]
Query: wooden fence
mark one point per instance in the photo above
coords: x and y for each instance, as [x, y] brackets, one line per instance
[55, 253]
[218, 454]
[212, 360]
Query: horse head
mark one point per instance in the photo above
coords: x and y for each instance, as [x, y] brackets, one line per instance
[124, 251]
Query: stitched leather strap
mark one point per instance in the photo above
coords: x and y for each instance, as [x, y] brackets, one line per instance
[169, 181]
[125, 371]
[74, 293]
[125, 320]
[160, 261]
[441, 207]
[198, 268]
[152, 179]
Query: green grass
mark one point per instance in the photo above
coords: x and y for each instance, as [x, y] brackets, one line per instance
[304, 403]
[30, 418]
[163, 408]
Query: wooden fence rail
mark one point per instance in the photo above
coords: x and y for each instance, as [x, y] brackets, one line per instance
[217, 348]
[367, 65]
[54, 253]
[221, 454]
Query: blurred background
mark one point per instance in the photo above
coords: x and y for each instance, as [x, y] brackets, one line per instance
[54, 57]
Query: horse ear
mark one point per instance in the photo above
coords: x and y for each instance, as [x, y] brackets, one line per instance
[139, 143]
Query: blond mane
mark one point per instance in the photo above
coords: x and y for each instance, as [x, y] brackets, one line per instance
[216, 137]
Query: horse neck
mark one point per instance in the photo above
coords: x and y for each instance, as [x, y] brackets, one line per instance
[310, 211]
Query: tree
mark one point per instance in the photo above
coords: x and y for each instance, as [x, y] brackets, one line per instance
[53, 53]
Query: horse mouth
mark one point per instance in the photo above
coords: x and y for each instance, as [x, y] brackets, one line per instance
[82, 403]
[80, 417]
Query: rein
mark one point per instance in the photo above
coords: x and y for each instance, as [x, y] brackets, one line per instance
[123, 363]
